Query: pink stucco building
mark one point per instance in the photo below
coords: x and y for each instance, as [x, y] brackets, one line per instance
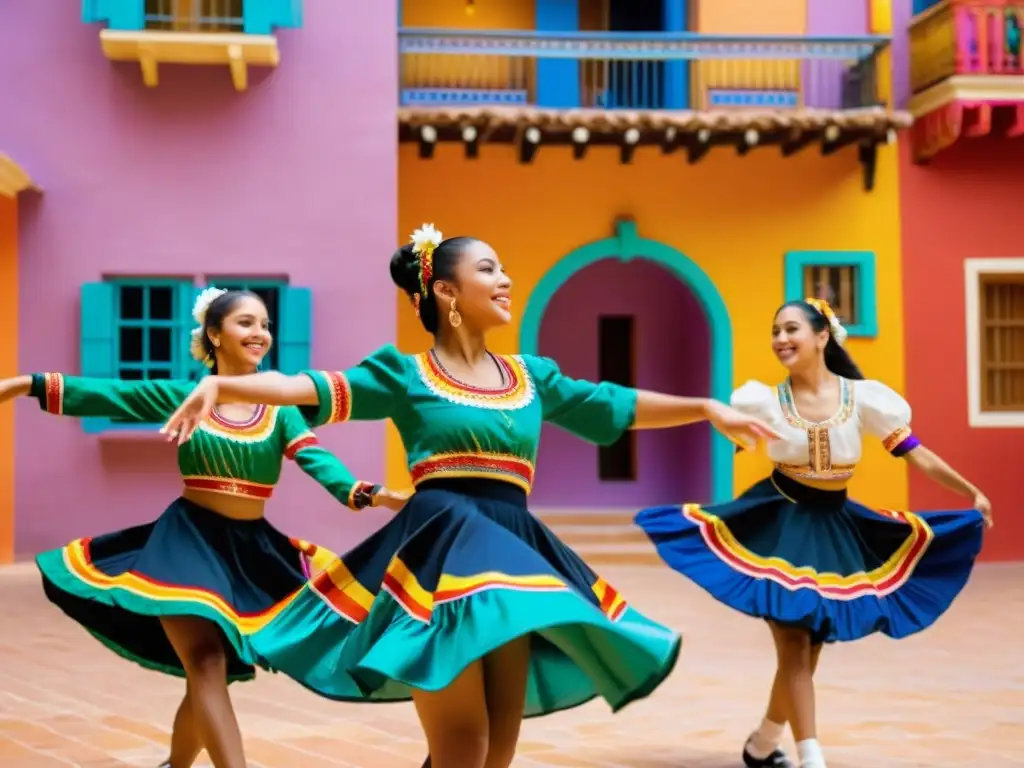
[289, 184]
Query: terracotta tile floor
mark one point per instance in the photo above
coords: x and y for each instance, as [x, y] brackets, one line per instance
[953, 696]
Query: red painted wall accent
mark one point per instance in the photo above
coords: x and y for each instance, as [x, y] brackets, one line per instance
[965, 204]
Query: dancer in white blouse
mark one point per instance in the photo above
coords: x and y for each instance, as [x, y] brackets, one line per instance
[796, 551]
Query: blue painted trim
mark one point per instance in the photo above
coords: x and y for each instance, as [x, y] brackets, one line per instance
[867, 283]
[677, 73]
[126, 15]
[421, 97]
[263, 17]
[577, 37]
[235, 281]
[558, 80]
[627, 245]
[732, 97]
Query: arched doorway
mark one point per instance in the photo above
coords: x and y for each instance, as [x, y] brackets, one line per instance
[630, 302]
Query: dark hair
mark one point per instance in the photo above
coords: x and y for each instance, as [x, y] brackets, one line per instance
[405, 273]
[837, 359]
[220, 308]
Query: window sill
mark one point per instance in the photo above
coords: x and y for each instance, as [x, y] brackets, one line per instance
[151, 48]
[112, 431]
[995, 419]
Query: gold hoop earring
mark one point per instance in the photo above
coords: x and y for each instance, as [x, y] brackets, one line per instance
[453, 315]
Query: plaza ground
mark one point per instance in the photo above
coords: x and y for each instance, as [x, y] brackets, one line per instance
[952, 696]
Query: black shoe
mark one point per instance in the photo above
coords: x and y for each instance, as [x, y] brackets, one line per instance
[776, 759]
[426, 763]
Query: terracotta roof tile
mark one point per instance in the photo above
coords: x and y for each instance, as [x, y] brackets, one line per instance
[609, 121]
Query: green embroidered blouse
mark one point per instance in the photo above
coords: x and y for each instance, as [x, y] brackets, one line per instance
[451, 429]
[240, 459]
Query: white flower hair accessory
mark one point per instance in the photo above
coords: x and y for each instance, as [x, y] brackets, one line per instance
[838, 332]
[425, 241]
[203, 301]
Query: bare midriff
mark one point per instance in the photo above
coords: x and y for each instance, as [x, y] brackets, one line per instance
[822, 485]
[235, 507]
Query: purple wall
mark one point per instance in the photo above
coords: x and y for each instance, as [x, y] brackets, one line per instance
[902, 11]
[297, 176]
[672, 355]
[823, 78]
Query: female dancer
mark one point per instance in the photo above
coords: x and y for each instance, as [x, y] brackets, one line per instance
[465, 601]
[794, 550]
[210, 569]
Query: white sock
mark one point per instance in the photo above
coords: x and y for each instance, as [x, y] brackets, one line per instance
[810, 754]
[765, 739]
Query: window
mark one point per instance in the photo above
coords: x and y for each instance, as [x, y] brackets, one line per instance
[837, 285]
[140, 328]
[995, 342]
[149, 329]
[194, 15]
[615, 336]
[845, 279]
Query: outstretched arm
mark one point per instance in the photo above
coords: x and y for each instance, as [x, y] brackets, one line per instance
[369, 391]
[136, 401]
[937, 470]
[601, 412]
[887, 416]
[655, 410]
[269, 388]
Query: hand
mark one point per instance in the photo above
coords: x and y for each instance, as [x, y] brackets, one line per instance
[393, 500]
[983, 505]
[192, 412]
[19, 386]
[741, 429]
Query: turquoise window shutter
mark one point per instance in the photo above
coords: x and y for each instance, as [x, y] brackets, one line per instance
[118, 14]
[98, 339]
[98, 330]
[185, 366]
[261, 17]
[294, 336]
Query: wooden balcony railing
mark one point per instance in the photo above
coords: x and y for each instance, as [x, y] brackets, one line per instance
[965, 37]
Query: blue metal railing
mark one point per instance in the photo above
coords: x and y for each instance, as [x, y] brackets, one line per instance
[636, 70]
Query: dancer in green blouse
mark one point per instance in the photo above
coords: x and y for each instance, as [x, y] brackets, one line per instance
[185, 593]
[465, 602]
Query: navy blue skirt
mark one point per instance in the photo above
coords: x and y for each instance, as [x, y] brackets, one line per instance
[191, 562]
[801, 556]
[461, 571]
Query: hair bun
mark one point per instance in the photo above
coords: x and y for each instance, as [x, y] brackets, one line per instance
[405, 269]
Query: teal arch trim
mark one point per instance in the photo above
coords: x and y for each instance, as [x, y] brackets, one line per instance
[626, 245]
[866, 296]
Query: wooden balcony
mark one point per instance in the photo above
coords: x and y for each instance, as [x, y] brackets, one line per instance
[676, 90]
[232, 33]
[965, 62]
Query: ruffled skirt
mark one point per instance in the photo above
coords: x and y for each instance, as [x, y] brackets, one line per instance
[796, 555]
[461, 571]
[189, 562]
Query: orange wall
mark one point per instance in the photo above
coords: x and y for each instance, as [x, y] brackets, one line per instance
[735, 17]
[8, 367]
[489, 14]
[966, 204]
[755, 17]
[735, 217]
